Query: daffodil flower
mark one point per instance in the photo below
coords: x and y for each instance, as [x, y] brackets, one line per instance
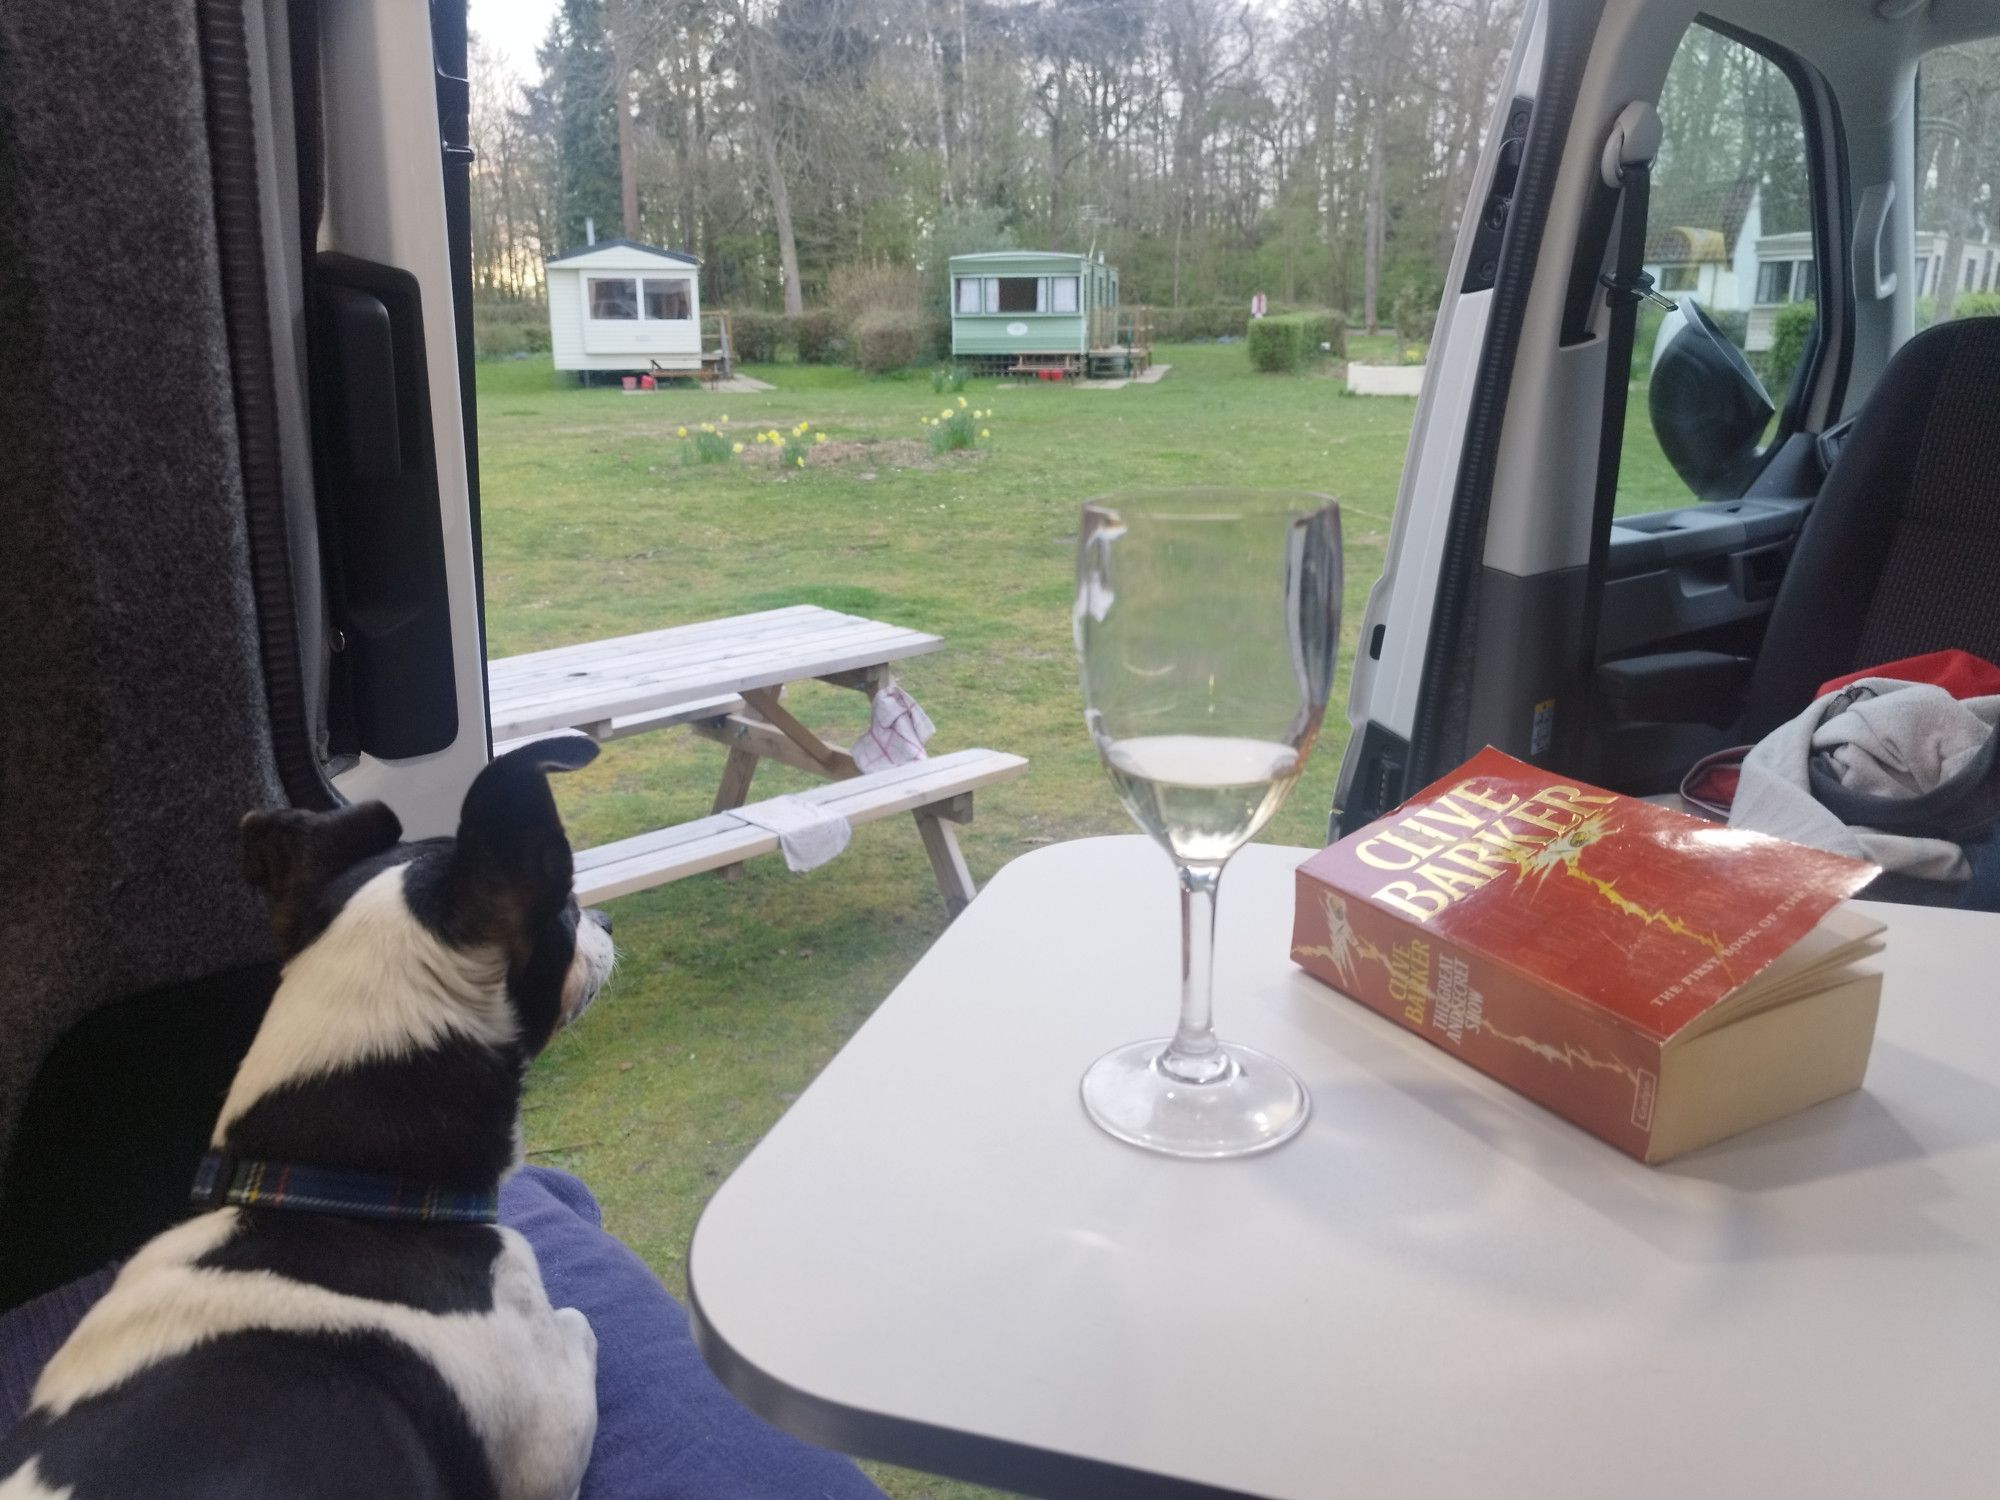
[819, 437]
[735, 447]
[961, 402]
[802, 462]
[984, 433]
[682, 433]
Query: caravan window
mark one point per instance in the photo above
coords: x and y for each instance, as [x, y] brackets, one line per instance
[1062, 296]
[1018, 294]
[669, 299]
[614, 299]
[966, 296]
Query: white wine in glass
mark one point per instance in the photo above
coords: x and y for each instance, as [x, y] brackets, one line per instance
[1207, 623]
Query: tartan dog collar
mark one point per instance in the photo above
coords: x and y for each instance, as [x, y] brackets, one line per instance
[223, 1180]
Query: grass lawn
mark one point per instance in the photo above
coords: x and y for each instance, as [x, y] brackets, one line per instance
[731, 996]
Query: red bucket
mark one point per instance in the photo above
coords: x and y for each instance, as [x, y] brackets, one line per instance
[631, 382]
[645, 382]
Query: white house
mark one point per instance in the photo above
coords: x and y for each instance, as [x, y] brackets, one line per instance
[1786, 272]
[621, 305]
[1702, 240]
[1709, 242]
[1978, 264]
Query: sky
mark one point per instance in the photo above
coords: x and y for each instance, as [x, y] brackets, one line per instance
[512, 29]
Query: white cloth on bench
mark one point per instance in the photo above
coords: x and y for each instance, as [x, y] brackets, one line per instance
[897, 729]
[808, 835]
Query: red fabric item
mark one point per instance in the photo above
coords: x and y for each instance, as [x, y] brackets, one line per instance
[1959, 673]
[1720, 784]
[1709, 787]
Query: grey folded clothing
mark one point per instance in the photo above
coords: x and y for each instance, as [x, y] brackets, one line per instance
[1900, 773]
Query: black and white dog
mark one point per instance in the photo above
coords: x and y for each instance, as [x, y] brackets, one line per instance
[347, 1320]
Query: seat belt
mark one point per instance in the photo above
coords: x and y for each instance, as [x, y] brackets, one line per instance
[1625, 172]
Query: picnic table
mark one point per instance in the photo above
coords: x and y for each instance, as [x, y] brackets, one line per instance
[725, 680]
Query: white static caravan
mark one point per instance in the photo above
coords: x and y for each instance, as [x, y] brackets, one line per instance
[620, 305]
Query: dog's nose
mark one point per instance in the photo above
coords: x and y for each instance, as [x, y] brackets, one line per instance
[600, 916]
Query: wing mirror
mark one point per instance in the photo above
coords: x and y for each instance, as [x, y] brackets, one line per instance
[1709, 408]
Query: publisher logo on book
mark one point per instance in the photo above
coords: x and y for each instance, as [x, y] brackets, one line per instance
[1642, 1099]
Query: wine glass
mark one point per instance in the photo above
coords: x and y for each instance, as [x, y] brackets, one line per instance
[1207, 622]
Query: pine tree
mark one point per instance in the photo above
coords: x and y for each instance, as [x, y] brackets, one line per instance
[576, 93]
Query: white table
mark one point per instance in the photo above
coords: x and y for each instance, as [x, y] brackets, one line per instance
[1436, 1290]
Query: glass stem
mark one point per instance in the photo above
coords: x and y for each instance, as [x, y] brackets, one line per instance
[1194, 1055]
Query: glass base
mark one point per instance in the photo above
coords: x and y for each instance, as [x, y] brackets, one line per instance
[1255, 1103]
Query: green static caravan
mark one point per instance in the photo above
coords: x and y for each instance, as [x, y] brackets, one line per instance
[1026, 312]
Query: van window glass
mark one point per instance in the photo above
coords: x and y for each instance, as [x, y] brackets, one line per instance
[614, 298]
[1956, 257]
[967, 295]
[1062, 294]
[1729, 228]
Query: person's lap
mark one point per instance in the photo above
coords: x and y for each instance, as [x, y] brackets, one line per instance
[666, 1429]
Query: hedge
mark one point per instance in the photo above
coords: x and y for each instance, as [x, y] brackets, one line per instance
[1790, 330]
[818, 337]
[1285, 344]
[1186, 325]
[891, 340]
[756, 337]
[503, 329]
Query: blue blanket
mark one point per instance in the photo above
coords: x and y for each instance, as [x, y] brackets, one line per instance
[666, 1429]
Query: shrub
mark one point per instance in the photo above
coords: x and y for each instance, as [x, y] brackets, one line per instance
[1186, 325]
[1324, 337]
[756, 336]
[1414, 311]
[819, 337]
[503, 329]
[855, 290]
[947, 380]
[1976, 305]
[891, 340]
[1790, 330]
[1289, 342]
[1275, 345]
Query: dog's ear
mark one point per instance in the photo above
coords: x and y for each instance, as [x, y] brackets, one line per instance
[291, 854]
[510, 868]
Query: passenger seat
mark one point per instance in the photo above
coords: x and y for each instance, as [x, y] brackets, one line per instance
[1901, 552]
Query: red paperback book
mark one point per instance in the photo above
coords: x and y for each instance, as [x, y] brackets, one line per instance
[1659, 980]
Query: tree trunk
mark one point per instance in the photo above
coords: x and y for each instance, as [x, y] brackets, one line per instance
[964, 107]
[1056, 121]
[934, 55]
[621, 101]
[781, 212]
[1371, 225]
[781, 199]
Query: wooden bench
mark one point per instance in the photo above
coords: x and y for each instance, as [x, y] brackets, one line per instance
[937, 791]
